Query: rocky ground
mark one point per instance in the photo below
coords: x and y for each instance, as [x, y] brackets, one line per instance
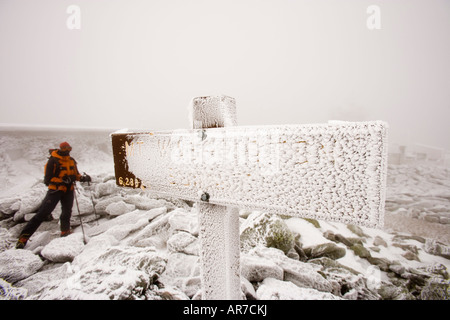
[418, 200]
[138, 247]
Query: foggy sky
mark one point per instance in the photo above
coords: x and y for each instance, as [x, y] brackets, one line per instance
[138, 64]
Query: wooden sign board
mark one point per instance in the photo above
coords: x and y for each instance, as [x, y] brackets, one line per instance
[333, 172]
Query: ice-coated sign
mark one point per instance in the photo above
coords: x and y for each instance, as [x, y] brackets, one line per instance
[334, 171]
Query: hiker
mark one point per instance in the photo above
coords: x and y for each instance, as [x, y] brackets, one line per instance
[60, 175]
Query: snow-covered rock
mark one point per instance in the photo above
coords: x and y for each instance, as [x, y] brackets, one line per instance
[183, 220]
[436, 289]
[94, 248]
[300, 273]
[421, 192]
[328, 249]
[39, 240]
[129, 218]
[9, 205]
[7, 239]
[120, 232]
[83, 205]
[184, 242]
[9, 292]
[103, 202]
[106, 188]
[16, 265]
[181, 265]
[30, 202]
[52, 276]
[346, 282]
[256, 269]
[158, 226]
[118, 273]
[142, 202]
[265, 229]
[119, 208]
[64, 249]
[183, 272]
[112, 283]
[274, 289]
[144, 259]
[437, 248]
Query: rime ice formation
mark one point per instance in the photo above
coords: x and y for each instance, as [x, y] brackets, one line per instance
[16, 265]
[219, 225]
[212, 112]
[95, 274]
[64, 249]
[334, 171]
[270, 290]
[219, 236]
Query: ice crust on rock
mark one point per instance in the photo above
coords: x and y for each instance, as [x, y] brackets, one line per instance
[9, 292]
[64, 249]
[116, 273]
[273, 289]
[16, 265]
[256, 269]
[119, 208]
[183, 220]
[184, 242]
[103, 203]
[94, 248]
[30, 203]
[112, 283]
[267, 230]
[302, 274]
[106, 188]
[38, 282]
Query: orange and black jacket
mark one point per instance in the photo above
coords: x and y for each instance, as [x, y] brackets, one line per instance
[59, 168]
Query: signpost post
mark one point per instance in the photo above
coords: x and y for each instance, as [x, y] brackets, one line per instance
[333, 172]
[219, 225]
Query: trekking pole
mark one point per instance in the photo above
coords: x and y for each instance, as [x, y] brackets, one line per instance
[92, 200]
[79, 213]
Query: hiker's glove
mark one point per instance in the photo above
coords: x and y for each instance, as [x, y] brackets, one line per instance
[69, 179]
[85, 178]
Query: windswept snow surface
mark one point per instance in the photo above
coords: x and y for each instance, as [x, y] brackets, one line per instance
[24, 153]
[140, 247]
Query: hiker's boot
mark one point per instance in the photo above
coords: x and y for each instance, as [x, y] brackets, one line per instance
[66, 233]
[23, 239]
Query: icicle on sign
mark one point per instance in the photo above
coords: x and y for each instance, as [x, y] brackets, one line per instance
[333, 172]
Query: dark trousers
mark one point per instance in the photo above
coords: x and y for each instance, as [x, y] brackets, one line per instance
[48, 205]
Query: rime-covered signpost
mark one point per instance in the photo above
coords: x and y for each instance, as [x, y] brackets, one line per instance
[334, 172]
